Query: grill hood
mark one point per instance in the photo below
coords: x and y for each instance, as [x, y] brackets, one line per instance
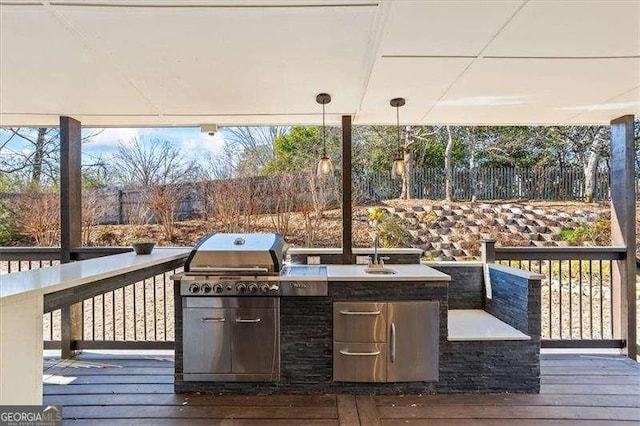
[245, 253]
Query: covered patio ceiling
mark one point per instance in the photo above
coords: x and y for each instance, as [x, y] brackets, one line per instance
[183, 63]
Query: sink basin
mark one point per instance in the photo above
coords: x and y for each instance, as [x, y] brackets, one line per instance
[379, 271]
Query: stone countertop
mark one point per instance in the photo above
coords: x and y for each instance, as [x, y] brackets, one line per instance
[403, 273]
[20, 285]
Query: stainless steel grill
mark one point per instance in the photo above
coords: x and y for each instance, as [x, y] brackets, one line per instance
[247, 265]
[226, 335]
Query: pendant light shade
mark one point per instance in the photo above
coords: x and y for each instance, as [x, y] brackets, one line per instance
[399, 167]
[325, 166]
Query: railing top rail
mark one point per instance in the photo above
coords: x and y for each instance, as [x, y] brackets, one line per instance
[53, 253]
[560, 253]
[29, 253]
[72, 275]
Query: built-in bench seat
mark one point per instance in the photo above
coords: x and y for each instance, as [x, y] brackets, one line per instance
[476, 324]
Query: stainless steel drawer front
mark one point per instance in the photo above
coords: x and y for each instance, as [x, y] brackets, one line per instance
[255, 342]
[359, 322]
[359, 362]
[207, 340]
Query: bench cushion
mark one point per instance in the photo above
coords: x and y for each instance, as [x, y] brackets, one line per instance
[476, 324]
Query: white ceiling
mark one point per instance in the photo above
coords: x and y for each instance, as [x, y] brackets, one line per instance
[177, 63]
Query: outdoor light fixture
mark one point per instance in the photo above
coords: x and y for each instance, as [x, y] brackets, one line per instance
[325, 167]
[399, 167]
[209, 129]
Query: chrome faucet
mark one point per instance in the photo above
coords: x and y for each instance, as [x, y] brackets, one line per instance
[377, 260]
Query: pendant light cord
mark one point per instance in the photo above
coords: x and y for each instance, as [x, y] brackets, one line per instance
[400, 154]
[324, 135]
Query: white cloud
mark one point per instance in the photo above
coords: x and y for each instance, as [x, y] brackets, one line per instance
[195, 146]
[111, 137]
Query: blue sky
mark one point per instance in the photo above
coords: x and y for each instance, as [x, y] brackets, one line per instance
[196, 145]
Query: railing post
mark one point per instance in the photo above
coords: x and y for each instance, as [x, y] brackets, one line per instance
[488, 251]
[70, 329]
[70, 221]
[623, 231]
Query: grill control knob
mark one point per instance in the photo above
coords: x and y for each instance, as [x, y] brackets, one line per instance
[253, 288]
[206, 288]
[217, 288]
[194, 288]
[264, 288]
[241, 288]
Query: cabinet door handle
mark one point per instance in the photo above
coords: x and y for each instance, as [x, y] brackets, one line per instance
[345, 312]
[393, 342]
[248, 320]
[348, 353]
[212, 319]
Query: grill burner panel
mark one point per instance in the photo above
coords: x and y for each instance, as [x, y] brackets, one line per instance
[282, 285]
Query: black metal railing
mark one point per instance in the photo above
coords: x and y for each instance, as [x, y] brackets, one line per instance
[577, 293]
[137, 315]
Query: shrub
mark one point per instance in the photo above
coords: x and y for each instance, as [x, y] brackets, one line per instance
[392, 232]
[391, 229]
[108, 237]
[599, 233]
[9, 229]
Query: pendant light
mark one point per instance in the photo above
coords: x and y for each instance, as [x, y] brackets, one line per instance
[399, 167]
[325, 166]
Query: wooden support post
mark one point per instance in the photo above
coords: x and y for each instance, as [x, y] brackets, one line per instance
[623, 232]
[488, 251]
[347, 211]
[70, 221]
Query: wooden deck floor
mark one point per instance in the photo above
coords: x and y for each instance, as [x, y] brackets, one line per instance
[100, 389]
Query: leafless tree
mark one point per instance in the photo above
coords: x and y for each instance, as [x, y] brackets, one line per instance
[448, 166]
[251, 148]
[160, 170]
[93, 210]
[34, 153]
[38, 213]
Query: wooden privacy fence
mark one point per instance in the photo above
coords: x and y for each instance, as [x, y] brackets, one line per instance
[128, 205]
[489, 183]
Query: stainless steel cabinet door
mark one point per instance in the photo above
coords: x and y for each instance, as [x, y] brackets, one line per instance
[359, 362]
[207, 340]
[413, 341]
[359, 322]
[255, 342]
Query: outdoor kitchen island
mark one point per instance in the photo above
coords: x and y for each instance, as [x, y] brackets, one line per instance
[319, 353]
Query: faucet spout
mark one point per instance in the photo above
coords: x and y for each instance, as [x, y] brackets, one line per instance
[376, 261]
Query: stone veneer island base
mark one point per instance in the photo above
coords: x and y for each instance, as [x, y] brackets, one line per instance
[474, 366]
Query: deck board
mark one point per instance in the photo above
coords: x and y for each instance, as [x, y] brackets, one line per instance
[112, 390]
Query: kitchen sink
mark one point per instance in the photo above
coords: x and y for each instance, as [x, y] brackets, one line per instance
[379, 271]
